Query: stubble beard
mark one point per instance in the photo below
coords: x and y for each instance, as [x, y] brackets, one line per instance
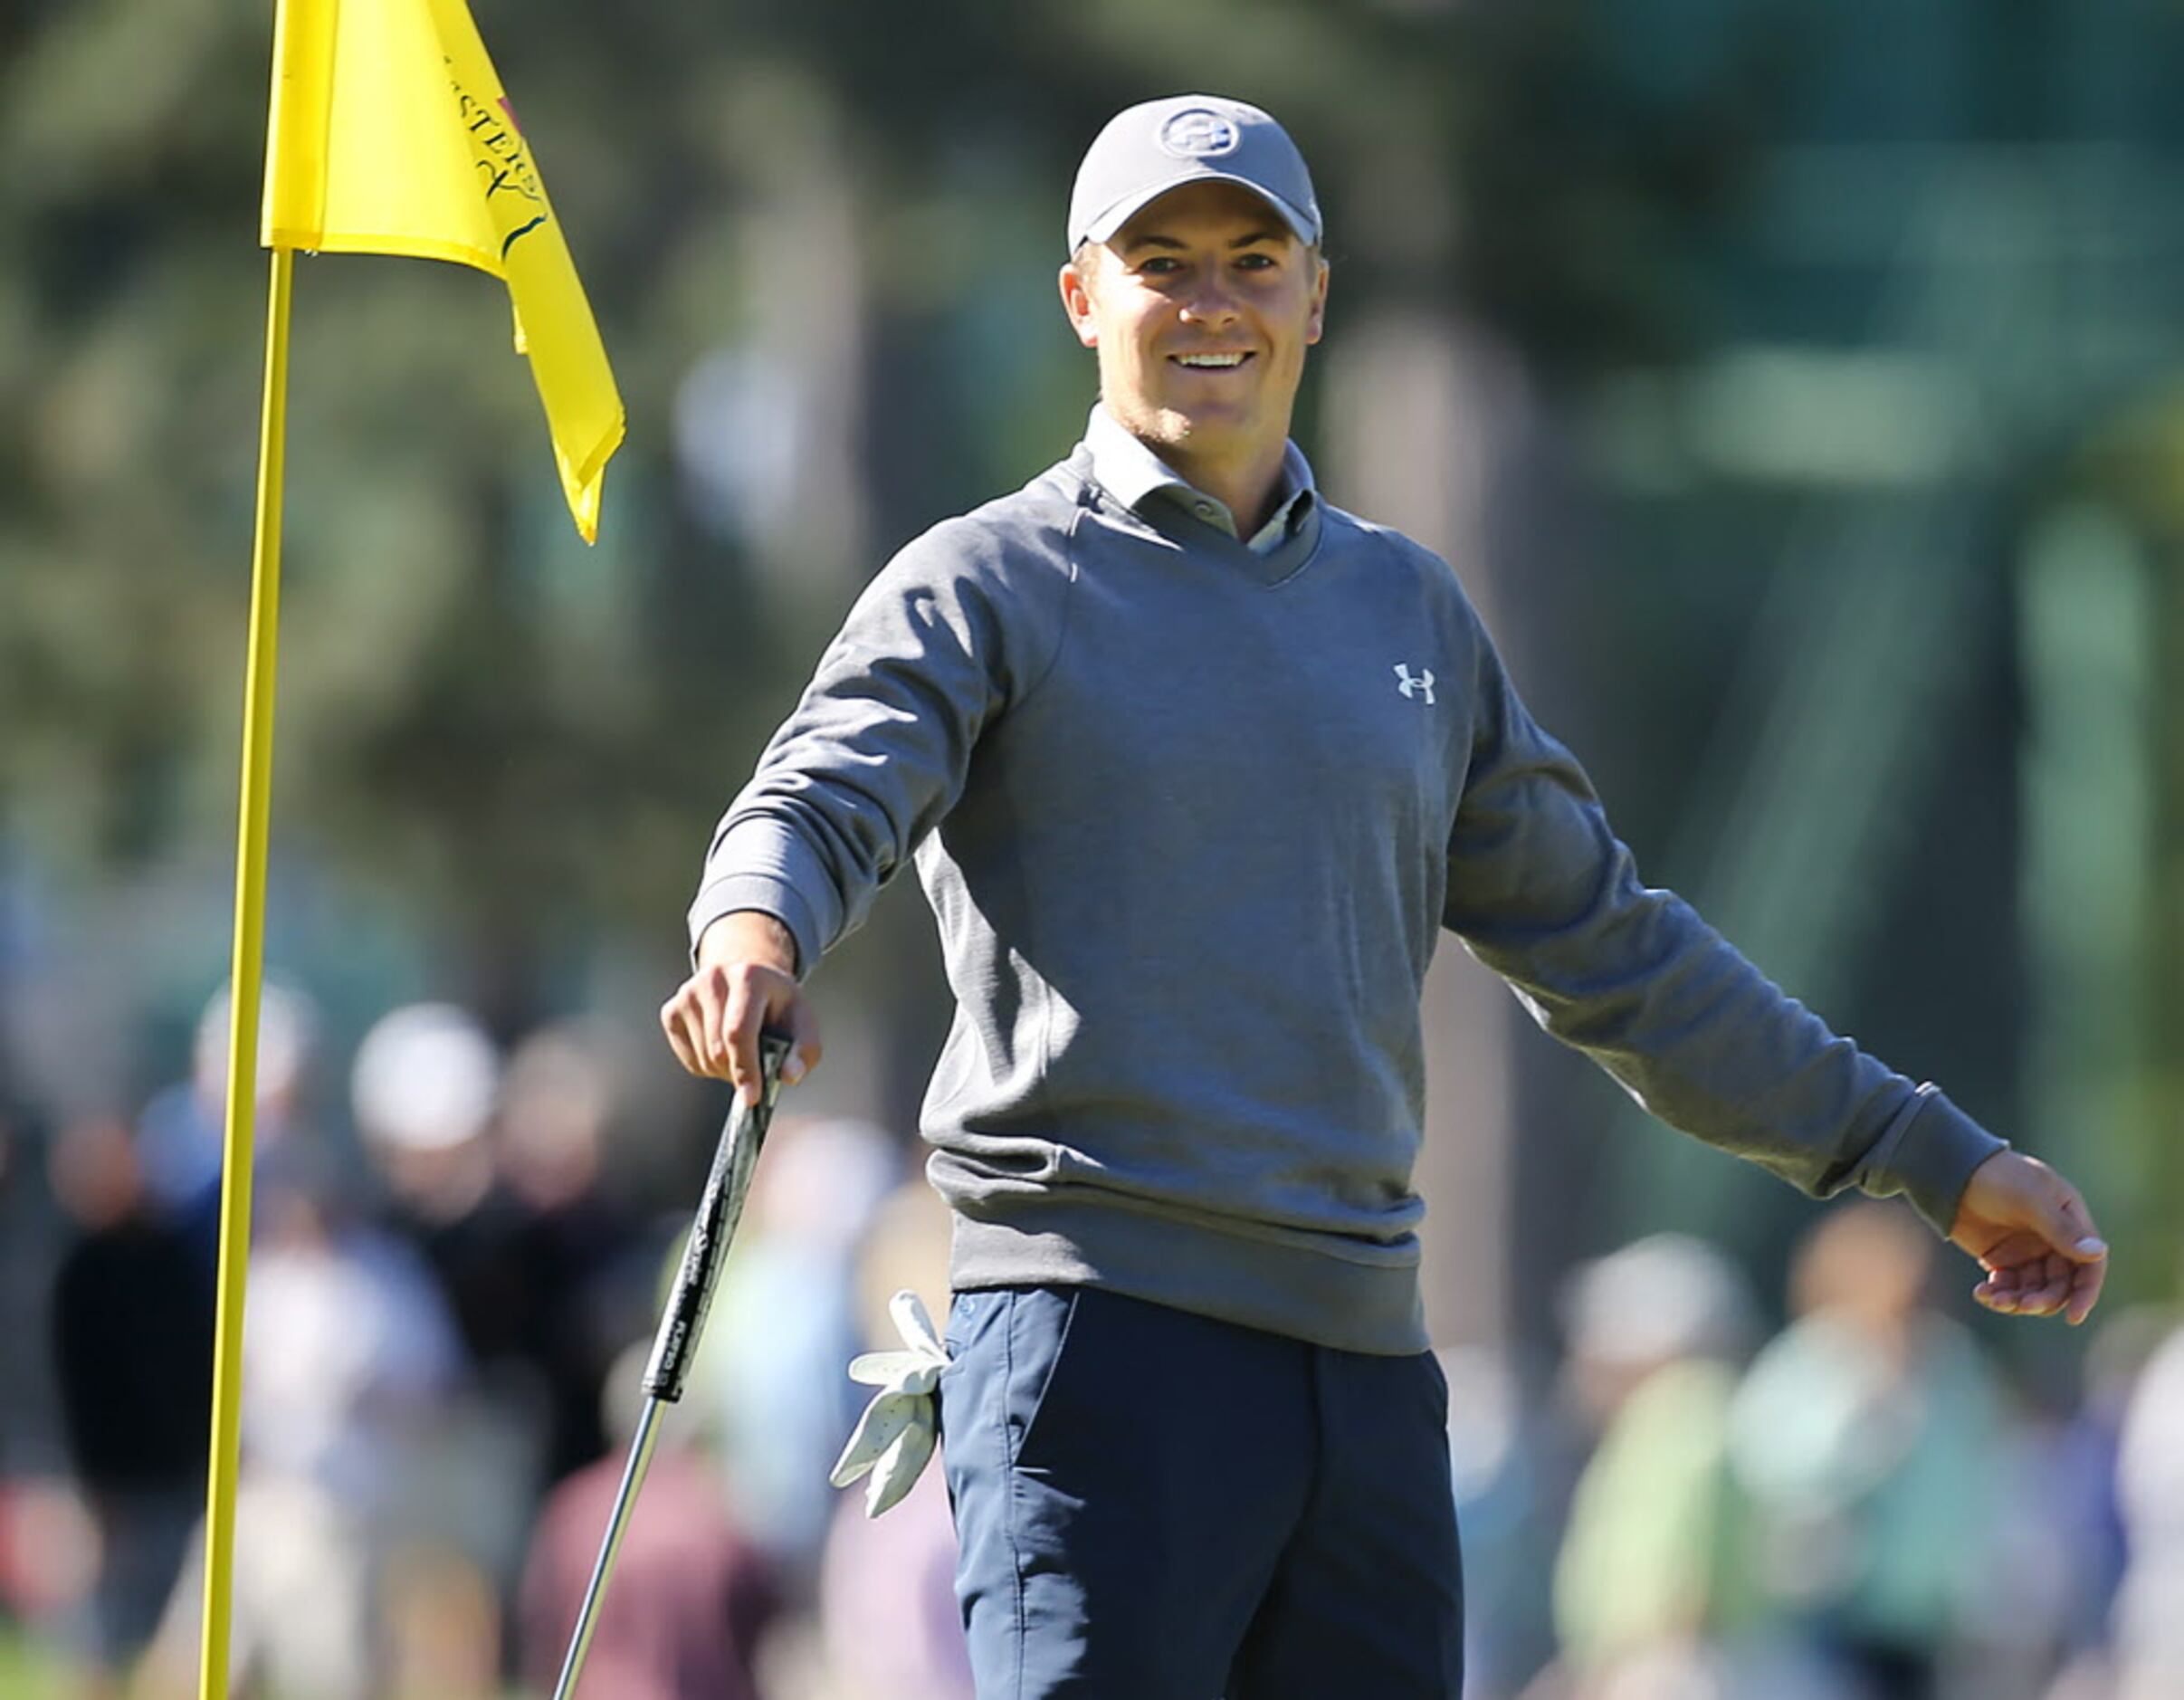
[1164, 427]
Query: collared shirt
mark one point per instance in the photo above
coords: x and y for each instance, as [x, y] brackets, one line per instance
[1132, 474]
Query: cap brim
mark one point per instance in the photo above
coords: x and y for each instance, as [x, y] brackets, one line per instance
[1130, 205]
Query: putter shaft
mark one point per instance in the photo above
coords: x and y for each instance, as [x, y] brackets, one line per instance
[625, 1500]
[719, 1211]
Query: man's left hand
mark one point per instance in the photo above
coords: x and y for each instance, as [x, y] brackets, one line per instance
[2035, 1237]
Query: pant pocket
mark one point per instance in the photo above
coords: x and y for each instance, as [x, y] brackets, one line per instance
[1050, 1367]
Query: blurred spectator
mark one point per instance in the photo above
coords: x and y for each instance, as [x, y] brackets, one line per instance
[2072, 1588]
[2088, 1476]
[133, 1342]
[422, 1090]
[348, 1352]
[1654, 1572]
[785, 1326]
[182, 1132]
[349, 1356]
[691, 1599]
[28, 1249]
[495, 1178]
[889, 1626]
[35, 1580]
[578, 1278]
[2149, 1485]
[1514, 1462]
[1868, 1435]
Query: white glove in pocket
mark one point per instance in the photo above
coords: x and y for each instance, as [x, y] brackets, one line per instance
[894, 1437]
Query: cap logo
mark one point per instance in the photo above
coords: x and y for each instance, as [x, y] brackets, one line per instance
[1198, 131]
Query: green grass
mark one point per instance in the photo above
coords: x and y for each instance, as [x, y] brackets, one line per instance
[27, 1670]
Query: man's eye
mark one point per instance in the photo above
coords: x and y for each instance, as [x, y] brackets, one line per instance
[1256, 261]
[1159, 265]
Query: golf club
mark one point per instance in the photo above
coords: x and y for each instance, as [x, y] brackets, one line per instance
[680, 1325]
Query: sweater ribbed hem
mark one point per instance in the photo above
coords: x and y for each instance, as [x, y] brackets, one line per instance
[1933, 1154]
[1055, 1240]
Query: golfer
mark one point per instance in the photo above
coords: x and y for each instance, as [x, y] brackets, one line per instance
[1195, 767]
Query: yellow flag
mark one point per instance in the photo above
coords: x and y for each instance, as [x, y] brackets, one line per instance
[390, 134]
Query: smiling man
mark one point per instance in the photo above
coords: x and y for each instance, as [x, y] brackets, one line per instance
[1200, 302]
[1196, 769]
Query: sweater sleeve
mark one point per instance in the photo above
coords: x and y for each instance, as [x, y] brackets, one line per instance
[878, 748]
[1543, 894]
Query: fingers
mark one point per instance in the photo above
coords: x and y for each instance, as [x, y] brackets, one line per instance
[2081, 1269]
[778, 1005]
[2077, 1238]
[686, 1042]
[2038, 1281]
[2055, 1210]
[691, 1020]
[713, 1021]
[2085, 1284]
[804, 1039]
[2031, 1232]
[710, 988]
[739, 1017]
[2037, 1287]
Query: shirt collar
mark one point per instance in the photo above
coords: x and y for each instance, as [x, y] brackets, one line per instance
[1133, 474]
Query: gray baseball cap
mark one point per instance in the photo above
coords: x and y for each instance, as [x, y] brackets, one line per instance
[1148, 149]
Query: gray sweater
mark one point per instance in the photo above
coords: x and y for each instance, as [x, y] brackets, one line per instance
[1191, 819]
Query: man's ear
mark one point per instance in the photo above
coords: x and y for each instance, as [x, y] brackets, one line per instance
[1318, 320]
[1076, 301]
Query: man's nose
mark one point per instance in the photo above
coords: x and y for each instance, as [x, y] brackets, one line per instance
[1210, 303]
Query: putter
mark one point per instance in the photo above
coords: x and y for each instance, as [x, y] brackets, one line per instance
[715, 1224]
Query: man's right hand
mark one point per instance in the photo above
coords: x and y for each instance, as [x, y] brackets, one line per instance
[745, 982]
[2033, 1235]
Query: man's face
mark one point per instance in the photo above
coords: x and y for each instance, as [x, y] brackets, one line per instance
[1200, 308]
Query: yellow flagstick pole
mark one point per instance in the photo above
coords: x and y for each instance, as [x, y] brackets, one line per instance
[249, 960]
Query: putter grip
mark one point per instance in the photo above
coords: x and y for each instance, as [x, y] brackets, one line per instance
[714, 1226]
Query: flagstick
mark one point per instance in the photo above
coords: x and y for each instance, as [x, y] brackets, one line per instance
[249, 958]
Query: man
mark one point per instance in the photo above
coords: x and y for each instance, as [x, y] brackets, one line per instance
[1194, 767]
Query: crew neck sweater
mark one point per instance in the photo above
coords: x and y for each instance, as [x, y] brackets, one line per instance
[1192, 820]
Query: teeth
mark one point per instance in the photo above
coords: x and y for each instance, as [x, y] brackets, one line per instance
[1210, 359]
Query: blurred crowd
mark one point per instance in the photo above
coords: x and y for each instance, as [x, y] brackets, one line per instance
[450, 1303]
[1863, 1507]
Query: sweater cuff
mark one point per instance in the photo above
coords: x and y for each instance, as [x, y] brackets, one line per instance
[762, 864]
[769, 896]
[1928, 1154]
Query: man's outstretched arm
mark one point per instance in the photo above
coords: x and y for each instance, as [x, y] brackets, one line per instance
[1545, 895]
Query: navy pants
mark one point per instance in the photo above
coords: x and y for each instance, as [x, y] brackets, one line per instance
[1155, 1505]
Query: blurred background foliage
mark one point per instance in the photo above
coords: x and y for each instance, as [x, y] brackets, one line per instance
[1796, 385]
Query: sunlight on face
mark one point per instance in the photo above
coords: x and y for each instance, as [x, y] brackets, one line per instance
[1200, 308]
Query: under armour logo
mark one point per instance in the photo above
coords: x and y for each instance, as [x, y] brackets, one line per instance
[1197, 132]
[1415, 685]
